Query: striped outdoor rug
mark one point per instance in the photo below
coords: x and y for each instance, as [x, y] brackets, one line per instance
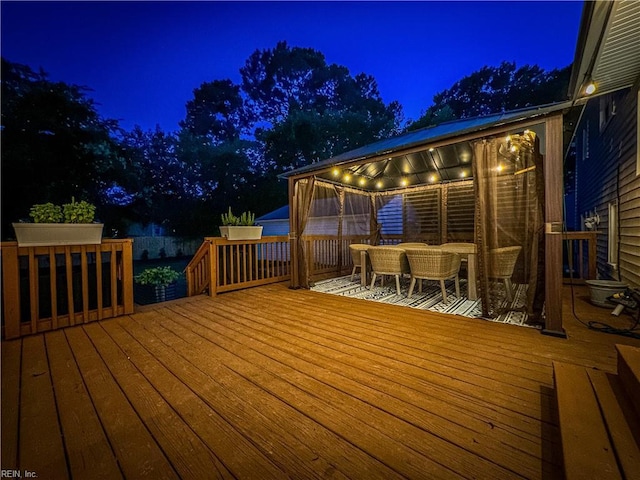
[429, 299]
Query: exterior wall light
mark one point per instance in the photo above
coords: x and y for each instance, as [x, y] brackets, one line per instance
[590, 88]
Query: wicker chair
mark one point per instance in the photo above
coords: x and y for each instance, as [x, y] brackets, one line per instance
[356, 249]
[412, 245]
[501, 263]
[388, 261]
[433, 264]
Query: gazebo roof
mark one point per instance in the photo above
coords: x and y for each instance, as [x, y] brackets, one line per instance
[408, 159]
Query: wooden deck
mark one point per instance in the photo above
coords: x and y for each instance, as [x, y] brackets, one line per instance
[276, 383]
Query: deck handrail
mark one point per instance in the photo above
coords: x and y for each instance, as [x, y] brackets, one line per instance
[222, 265]
[238, 264]
[198, 270]
[85, 283]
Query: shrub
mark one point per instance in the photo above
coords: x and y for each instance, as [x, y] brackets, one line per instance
[158, 276]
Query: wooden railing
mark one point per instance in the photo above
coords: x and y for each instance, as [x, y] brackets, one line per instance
[198, 271]
[46, 288]
[248, 263]
[326, 255]
[237, 264]
[580, 249]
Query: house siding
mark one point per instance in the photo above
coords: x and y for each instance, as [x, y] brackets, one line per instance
[609, 174]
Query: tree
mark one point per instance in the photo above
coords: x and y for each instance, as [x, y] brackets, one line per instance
[54, 143]
[291, 109]
[216, 112]
[495, 90]
[156, 180]
[276, 80]
[309, 110]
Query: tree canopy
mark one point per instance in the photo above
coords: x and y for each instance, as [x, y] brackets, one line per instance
[495, 90]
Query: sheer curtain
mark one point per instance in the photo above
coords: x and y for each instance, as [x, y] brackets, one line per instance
[509, 212]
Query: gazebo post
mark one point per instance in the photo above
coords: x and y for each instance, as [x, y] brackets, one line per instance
[553, 178]
[293, 234]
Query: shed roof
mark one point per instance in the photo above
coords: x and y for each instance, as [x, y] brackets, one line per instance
[281, 213]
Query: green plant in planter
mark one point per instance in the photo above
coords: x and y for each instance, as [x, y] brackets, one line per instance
[158, 276]
[78, 212]
[246, 219]
[46, 213]
[74, 212]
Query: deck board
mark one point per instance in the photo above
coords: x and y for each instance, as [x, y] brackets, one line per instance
[312, 372]
[10, 401]
[136, 450]
[233, 450]
[87, 446]
[41, 446]
[270, 382]
[190, 456]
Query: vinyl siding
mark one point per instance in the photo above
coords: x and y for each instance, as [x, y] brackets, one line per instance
[610, 175]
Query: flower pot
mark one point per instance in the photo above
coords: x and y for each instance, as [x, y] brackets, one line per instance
[146, 294]
[601, 289]
[47, 234]
[241, 232]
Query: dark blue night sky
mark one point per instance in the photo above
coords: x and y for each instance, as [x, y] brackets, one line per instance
[143, 59]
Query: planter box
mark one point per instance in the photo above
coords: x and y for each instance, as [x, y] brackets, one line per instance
[48, 234]
[147, 294]
[241, 233]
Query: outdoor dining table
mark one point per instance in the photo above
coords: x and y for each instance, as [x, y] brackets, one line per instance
[468, 251]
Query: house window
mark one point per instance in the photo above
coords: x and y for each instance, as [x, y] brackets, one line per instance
[613, 235]
[607, 110]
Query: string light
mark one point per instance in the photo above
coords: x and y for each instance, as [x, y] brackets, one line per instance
[404, 182]
[362, 182]
[336, 172]
[379, 184]
[347, 177]
[432, 178]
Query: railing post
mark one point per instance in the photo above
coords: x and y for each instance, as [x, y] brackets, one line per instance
[213, 268]
[127, 276]
[591, 247]
[11, 291]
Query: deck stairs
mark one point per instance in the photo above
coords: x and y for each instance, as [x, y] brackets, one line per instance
[599, 415]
